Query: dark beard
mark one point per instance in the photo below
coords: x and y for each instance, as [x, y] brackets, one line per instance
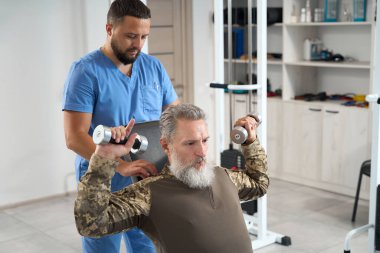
[122, 56]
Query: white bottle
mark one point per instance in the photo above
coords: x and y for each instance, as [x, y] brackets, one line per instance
[308, 12]
[293, 16]
[306, 49]
[303, 15]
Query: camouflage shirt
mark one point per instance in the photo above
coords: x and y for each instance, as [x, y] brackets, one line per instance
[176, 217]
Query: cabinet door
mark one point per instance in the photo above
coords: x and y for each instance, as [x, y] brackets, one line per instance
[302, 140]
[332, 144]
[345, 145]
[356, 144]
[290, 138]
[274, 135]
[310, 135]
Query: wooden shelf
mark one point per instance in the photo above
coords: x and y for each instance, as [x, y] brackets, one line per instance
[253, 25]
[269, 62]
[330, 24]
[322, 64]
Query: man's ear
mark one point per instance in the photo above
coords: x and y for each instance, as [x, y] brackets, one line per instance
[109, 29]
[165, 145]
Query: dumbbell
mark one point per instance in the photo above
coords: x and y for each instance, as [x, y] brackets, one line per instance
[103, 135]
[239, 134]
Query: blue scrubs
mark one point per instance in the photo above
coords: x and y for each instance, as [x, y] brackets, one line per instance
[95, 85]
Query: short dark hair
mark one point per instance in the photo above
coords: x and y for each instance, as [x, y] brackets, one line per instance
[121, 8]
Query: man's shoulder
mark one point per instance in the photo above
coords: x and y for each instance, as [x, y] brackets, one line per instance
[146, 182]
[90, 60]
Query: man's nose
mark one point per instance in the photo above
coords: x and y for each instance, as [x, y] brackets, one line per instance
[138, 43]
[201, 150]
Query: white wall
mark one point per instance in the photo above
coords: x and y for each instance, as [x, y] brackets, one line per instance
[39, 40]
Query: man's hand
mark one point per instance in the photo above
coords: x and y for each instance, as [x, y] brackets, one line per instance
[112, 151]
[250, 124]
[139, 168]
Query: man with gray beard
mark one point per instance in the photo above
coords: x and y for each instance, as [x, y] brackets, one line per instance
[190, 206]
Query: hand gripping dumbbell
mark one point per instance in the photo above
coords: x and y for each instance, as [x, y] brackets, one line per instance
[239, 134]
[103, 135]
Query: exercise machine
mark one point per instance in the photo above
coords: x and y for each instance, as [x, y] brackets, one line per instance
[256, 224]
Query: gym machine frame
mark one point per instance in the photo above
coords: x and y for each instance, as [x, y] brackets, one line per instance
[256, 224]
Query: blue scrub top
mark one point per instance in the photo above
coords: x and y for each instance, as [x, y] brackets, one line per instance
[95, 85]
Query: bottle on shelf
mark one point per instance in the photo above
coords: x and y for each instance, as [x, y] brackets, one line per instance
[312, 49]
[293, 15]
[303, 15]
[346, 15]
[318, 15]
[308, 12]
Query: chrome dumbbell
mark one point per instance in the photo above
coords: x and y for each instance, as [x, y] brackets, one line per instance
[103, 135]
[239, 134]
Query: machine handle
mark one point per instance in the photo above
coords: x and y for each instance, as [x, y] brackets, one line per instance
[219, 85]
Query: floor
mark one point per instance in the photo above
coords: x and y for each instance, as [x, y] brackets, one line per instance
[316, 221]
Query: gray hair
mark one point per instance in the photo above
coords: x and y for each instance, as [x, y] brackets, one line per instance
[169, 118]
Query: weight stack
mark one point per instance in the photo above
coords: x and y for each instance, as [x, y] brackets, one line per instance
[233, 159]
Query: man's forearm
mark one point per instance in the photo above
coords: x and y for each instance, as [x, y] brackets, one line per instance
[99, 212]
[253, 181]
[93, 198]
[81, 144]
[256, 166]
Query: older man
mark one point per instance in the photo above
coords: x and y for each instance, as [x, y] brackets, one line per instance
[190, 206]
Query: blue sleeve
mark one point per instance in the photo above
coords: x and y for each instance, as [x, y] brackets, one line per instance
[169, 94]
[79, 93]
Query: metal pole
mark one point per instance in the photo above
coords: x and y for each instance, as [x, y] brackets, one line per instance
[219, 75]
[230, 56]
[375, 163]
[250, 27]
[262, 99]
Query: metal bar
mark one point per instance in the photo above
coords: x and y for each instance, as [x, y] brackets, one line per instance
[249, 87]
[230, 56]
[347, 246]
[262, 100]
[250, 62]
[219, 75]
[375, 163]
[229, 35]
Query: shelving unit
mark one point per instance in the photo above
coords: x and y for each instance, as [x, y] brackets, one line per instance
[311, 142]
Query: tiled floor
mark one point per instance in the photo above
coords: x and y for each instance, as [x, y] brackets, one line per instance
[316, 221]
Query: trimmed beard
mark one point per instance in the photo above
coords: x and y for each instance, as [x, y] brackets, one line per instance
[121, 55]
[191, 176]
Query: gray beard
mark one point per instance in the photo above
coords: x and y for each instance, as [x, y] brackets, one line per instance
[190, 175]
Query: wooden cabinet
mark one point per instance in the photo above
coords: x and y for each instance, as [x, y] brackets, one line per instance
[323, 145]
[275, 129]
[302, 139]
[346, 144]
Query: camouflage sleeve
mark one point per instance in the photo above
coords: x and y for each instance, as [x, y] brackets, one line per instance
[99, 212]
[253, 181]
